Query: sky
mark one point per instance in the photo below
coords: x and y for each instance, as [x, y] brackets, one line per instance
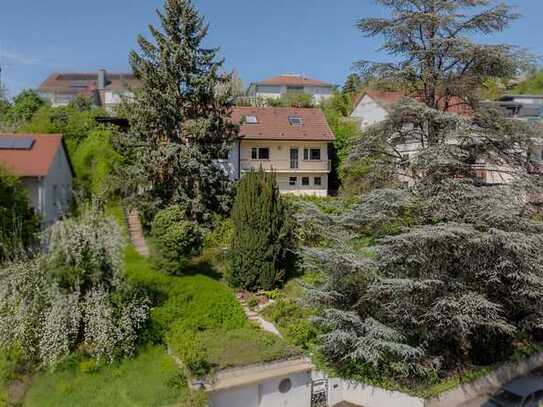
[258, 38]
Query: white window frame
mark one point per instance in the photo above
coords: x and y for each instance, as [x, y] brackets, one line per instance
[258, 153]
[308, 150]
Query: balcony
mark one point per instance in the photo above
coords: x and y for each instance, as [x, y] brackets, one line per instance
[287, 165]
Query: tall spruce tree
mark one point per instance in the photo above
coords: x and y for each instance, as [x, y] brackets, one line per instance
[261, 250]
[457, 275]
[179, 122]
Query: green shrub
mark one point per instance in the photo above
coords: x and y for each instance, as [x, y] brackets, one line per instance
[221, 234]
[252, 301]
[301, 333]
[19, 225]
[174, 239]
[261, 254]
[94, 161]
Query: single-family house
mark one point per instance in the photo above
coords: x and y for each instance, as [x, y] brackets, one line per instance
[372, 107]
[102, 88]
[278, 86]
[42, 163]
[291, 142]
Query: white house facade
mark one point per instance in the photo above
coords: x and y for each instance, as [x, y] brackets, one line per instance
[291, 142]
[275, 87]
[42, 163]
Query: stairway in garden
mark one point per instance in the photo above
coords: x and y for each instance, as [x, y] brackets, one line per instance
[136, 232]
[254, 317]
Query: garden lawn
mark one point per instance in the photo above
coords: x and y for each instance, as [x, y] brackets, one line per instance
[200, 318]
[148, 379]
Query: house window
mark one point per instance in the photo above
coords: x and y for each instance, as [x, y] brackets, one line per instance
[260, 153]
[292, 181]
[296, 121]
[250, 120]
[305, 180]
[317, 181]
[312, 154]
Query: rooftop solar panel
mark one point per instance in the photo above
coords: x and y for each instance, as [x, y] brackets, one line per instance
[16, 143]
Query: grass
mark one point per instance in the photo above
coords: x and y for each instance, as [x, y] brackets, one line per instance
[148, 379]
[200, 318]
[244, 346]
[195, 314]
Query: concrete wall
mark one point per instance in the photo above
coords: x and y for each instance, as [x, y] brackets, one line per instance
[369, 112]
[487, 384]
[368, 396]
[266, 394]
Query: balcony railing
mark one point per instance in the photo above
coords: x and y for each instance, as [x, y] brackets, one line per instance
[287, 165]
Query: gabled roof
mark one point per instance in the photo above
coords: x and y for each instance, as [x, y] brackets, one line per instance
[293, 80]
[85, 82]
[272, 123]
[387, 99]
[36, 161]
[383, 98]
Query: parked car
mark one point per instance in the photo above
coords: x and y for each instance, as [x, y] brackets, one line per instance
[525, 391]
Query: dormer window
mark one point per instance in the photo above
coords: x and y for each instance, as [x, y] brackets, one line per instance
[250, 120]
[295, 121]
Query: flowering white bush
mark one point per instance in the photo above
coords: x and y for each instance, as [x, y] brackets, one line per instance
[53, 304]
[90, 247]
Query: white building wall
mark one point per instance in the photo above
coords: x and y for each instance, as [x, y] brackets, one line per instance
[56, 189]
[369, 112]
[280, 155]
[32, 185]
[280, 163]
[283, 182]
[368, 396]
[266, 394]
[319, 93]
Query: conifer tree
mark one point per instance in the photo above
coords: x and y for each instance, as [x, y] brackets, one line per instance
[261, 248]
[456, 276]
[179, 122]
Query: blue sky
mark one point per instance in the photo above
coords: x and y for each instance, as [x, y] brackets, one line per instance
[260, 38]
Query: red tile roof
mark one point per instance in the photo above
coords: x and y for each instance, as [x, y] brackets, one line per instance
[273, 124]
[34, 162]
[293, 80]
[387, 99]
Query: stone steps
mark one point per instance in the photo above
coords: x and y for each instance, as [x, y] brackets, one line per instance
[136, 232]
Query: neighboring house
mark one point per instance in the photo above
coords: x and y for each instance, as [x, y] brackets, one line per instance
[291, 83]
[372, 107]
[102, 88]
[528, 107]
[42, 163]
[292, 142]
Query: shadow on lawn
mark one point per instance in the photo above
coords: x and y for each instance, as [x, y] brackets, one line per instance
[201, 267]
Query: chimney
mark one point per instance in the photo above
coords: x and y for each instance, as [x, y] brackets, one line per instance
[102, 79]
